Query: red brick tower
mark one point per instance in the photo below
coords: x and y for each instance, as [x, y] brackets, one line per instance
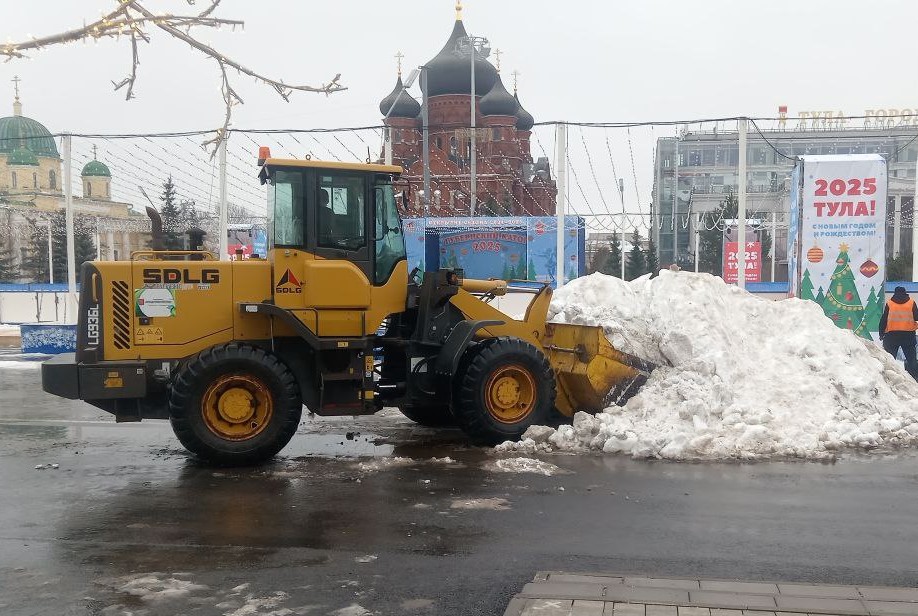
[509, 182]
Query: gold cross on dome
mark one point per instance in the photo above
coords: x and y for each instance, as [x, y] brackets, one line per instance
[398, 59]
[94, 152]
[497, 54]
[16, 81]
[516, 74]
[458, 10]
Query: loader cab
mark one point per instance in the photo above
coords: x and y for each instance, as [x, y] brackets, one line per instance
[335, 239]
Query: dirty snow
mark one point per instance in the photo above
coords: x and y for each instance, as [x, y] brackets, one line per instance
[494, 504]
[25, 364]
[523, 465]
[154, 587]
[384, 463]
[740, 377]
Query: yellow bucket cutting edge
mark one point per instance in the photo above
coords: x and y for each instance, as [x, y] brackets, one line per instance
[590, 371]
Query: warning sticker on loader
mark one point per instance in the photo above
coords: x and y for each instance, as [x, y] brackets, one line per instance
[154, 302]
[148, 335]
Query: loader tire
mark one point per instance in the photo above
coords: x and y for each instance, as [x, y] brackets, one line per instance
[431, 416]
[234, 404]
[504, 386]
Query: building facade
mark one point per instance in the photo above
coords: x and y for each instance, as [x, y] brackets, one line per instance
[32, 194]
[508, 181]
[702, 165]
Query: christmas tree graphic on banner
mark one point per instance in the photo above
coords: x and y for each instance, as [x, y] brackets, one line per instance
[842, 303]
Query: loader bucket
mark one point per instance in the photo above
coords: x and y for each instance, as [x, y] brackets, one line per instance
[591, 373]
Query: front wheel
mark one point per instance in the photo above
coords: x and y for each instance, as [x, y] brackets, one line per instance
[235, 404]
[506, 386]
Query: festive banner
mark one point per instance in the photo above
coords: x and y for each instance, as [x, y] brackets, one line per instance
[842, 242]
[753, 262]
[506, 247]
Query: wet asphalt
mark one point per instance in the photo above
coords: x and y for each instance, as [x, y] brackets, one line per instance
[376, 522]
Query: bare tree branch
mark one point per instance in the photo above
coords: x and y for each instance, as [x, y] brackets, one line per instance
[130, 19]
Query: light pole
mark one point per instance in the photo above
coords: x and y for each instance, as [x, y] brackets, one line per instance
[473, 46]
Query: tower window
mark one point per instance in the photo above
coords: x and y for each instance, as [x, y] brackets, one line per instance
[107, 190]
[14, 179]
[439, 143]
[88, 189]
[35, 180]
[495, 134]
[52, 180]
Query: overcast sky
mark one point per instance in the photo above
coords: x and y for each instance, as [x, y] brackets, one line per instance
[580, 60]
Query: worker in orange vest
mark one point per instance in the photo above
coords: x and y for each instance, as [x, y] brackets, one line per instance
[897, 328]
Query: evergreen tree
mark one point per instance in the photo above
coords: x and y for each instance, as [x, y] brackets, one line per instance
[9, 269]
[614, 264]
[571, 273]
[873, 312]
[531, 272]
[83, 247]
[899, 267]
[820, 296]
[842, 303]
[505, 273]
[711, 242]
[600, 260]
[806, 286]
[767, 246]
[635, 265]
[651, 262]
[35, 261]
[173, 220]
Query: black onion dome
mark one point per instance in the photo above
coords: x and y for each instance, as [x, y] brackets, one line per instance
[498, 101]
[451, 73]
[524, 119]
[405, 105]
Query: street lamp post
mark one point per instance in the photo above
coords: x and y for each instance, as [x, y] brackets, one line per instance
[473, 46]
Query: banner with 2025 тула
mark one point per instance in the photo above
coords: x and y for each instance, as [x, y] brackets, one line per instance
[840, 252]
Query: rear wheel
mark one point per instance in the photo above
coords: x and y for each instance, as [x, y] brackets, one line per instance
[235, 404]
[432, 416]
[506, 386]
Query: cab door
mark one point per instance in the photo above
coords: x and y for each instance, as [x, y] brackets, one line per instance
[337, 281]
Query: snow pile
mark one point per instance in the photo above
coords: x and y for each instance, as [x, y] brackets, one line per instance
[740, 377]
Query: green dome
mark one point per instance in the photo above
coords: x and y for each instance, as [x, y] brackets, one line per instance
[20, 132]
[96, 168]
[22, 156]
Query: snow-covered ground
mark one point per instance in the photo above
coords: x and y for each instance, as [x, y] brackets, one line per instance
[740, 377]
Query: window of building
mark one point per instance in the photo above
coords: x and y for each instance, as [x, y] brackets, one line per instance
[495, 134]
[52, 180]
[108, 189]
[13, 178]
[35, 180]
[88, 189]
[707, 156]
[439, 143]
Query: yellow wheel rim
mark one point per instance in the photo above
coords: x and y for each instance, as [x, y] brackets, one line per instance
[237, 407]
[510, 394]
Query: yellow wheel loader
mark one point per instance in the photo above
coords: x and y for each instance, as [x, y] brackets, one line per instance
[230, 352]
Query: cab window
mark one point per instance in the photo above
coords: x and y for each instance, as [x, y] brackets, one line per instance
[390, 243]
[285, 208]
[341, 205]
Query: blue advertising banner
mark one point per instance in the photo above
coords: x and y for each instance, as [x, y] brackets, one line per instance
[513, 247]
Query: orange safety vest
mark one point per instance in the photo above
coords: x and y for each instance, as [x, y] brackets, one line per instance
[901, 317]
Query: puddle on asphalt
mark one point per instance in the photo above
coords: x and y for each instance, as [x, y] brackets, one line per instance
[348, 445]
